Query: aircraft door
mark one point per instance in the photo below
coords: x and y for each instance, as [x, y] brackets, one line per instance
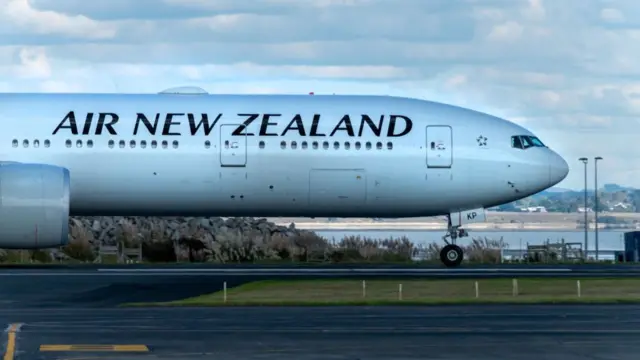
[233, 149]
[439, 146]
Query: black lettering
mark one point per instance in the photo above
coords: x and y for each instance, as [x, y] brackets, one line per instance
[71, 118]
[295, 124]
[204, 121]
[471, 215]
[392, 126]
[265, 124]
[376, 129]
[86, 130]
[168, 121]
[346, 120]
[245, 124]
[112, 121]
[314, 126]
[152, 128]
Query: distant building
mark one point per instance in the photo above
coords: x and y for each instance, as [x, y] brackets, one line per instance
[620, 207]
[541, 209]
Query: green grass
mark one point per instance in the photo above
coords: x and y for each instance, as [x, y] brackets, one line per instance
[418, 292]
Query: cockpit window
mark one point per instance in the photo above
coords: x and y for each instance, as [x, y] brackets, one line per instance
[525, 141]
[536, 141]
[516, 142]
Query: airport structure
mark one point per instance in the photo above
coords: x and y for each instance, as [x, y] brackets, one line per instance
[184, 152]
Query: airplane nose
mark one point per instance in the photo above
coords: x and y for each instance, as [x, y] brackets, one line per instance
[558, 168]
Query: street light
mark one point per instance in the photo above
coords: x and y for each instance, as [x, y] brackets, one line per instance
[586, 223]
[595, 164]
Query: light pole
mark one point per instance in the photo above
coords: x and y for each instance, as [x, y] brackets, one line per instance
[586, 223]
[595, 206]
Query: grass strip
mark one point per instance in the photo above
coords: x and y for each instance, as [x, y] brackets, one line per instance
[418, 292]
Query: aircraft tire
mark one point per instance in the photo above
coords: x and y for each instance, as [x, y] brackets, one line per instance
[451, 255]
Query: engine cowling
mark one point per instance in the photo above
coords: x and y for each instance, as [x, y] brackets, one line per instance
[34, 206]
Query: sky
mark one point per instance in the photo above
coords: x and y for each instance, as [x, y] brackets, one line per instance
[568, 70]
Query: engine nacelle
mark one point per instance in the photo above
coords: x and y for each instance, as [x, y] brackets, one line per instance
[34, 206]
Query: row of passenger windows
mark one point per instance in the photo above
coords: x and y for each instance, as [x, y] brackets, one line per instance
[89, 143]
[143, 144]
[207, 144]
[525, 142]
[325, 145]
[36, 143]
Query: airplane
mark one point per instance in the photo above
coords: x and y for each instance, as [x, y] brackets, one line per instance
[185, 152]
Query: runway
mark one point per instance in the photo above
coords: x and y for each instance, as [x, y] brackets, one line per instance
[92, 286]
[72, 313]
[461, 332]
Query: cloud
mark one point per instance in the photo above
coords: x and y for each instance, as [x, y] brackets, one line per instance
[23, 17]
[567, 69]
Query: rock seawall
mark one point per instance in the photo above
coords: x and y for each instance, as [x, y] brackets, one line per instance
[231, 240]
[133, 230]
[195, 239]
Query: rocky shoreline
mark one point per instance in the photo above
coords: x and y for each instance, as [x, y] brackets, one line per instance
[226, 240]
[220, 240]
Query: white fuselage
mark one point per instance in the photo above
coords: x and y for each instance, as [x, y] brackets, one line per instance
[445, 158]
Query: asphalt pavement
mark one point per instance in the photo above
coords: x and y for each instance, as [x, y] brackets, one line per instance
[72, 314]
[460, 333]
[109, 286]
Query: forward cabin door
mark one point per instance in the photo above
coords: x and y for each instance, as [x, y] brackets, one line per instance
[233, 149]
[439, 146]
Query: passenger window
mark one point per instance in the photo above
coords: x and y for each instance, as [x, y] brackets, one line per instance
[47, 143]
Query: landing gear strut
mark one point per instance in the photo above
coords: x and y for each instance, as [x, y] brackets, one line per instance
[451, 255]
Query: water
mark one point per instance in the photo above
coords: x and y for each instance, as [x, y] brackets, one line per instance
[609, 240]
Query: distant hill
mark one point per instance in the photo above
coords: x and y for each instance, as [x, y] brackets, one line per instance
[557, 189]
[558, 199]
[609, 188]
[616, 187]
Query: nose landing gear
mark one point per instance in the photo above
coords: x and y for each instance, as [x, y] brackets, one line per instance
[451, 255]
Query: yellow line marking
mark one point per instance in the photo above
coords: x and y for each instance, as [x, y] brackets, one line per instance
[11, 341]
[95, 347]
